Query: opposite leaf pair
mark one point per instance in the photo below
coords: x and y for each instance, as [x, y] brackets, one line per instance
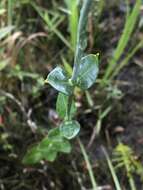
[84, 76]
[87, 74]
[56, 141]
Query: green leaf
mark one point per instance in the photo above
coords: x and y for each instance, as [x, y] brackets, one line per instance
[33, 156]
[61, 106]
[48, 148]
[48, 154]
[69, 129]
[65, 146]
[60, 81]
[88, 71]
[53, 133]
[55, 142]
[51, 144]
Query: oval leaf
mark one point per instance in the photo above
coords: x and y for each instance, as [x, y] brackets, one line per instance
[69, 129]
[53, 133]
[88, 71]
[59, 80]
[48, 154]
[65, 146]
[48, 148]
[61, 106]
[33, 156]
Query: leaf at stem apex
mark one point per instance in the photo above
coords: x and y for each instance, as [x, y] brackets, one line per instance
[59, 79]
[88, 71]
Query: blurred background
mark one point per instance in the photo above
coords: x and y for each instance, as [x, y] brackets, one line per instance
[35, 37]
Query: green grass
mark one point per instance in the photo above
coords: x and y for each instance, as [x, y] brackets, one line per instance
[73, 20]
[10, 12]
[112, 170]
[23, 81]
[126, 60]
[89, 167]
[52, 23]
[131, 21]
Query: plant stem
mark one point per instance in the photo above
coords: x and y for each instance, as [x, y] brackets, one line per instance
[69, 104]
[129, 174]
[80, 46]
[10, 7]
[81, 37]
[112, 170]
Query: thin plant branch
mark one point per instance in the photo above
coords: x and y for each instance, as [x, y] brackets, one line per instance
[26, 115]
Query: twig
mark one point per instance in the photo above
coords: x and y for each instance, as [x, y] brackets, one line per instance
[26, 115]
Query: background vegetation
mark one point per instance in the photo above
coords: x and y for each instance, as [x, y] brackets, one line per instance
[35, 37]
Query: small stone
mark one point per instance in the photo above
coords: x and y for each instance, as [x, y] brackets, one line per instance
[119, 129]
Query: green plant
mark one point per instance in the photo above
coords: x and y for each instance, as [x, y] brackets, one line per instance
[112, 170]
[124, 156]
[125, 61]
[84, 76]
[73, 20]
[10, 11]
[113, 68]
[52, 21]
[48, 148]
[89, 167]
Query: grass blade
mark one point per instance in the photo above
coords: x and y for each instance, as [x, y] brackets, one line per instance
[48, 21]
[128, 29]
[112, 170]
[89, 167]
[73, 20]
[10, 11]
[126, 59]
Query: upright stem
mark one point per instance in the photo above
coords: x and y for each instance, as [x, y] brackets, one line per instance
[69, 104]
[81, 37]
[80, 46]
[10, 7]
